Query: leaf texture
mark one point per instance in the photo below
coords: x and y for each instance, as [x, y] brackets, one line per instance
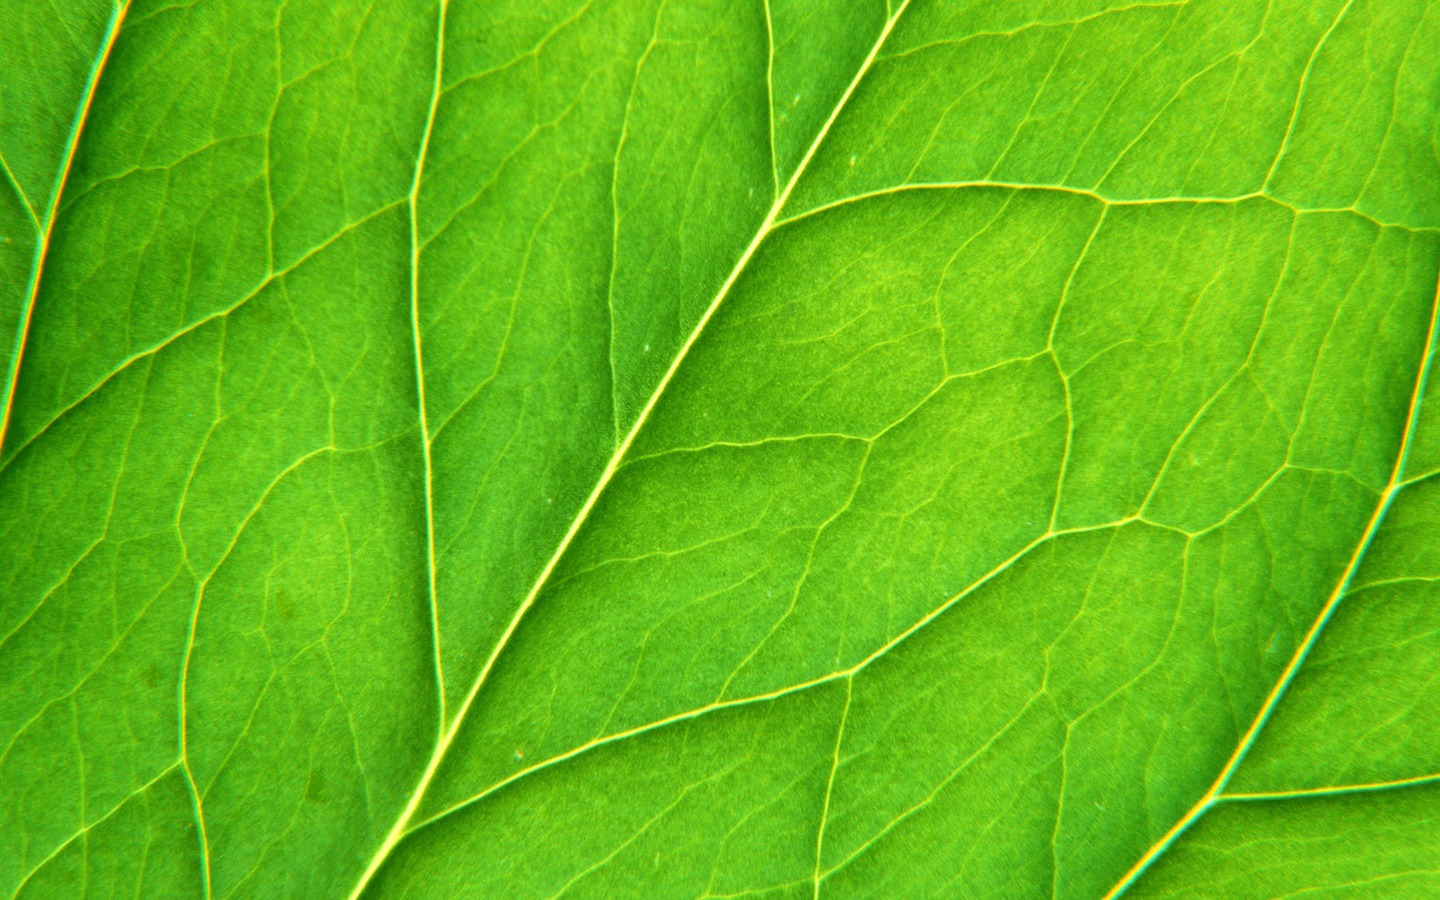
[716, 448]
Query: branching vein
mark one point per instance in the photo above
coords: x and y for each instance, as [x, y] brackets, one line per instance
[398, 831]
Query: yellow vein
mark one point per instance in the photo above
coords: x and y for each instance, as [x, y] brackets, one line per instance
[770, 93]
[1300, 96]
[183, 689]
[929, 798]
[20, 193]
[1096, 195]
[627, 734]
[1035, 26]
[1060, 370]
[112, 31]
[830, 786]
[615, 217]
[269, 279]
[1338, 790]
[86, 829]
[1392, 487]
[1240, 370]
[721, 705]
[448, 737]
[412, 202]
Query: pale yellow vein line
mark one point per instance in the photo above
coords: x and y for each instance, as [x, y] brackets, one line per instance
[640, 832]
[615, 214]
[1392, 487]
[1060, 370]
[1096, 195]
[758, 442]
[531, 54]
[1403, 579]
[770, 92]
[658, 724]
[63, 580]
[830, 786]
[1338, 790]
[20, 193]
[1389, 130]
[412, 201]
[935, 792]
[1029, 110]
[184, 681]
[42, 248]
[1175, 96]
[1235, 376]
[109, 520]
[269, 279]
[1036, 25]
[1423, 476]
[721, 705]
[91, 826]
[398, 830]
[1300, 96]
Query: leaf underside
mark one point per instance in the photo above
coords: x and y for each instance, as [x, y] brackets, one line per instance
[712, 448]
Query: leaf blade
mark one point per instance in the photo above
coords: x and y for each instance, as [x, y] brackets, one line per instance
[1052, 400]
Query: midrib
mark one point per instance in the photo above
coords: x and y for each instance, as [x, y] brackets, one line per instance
[42, 247]
[401, 826]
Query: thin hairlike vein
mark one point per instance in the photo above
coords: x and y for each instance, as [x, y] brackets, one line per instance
[402, 822]
[788, 690]
[1393, 486]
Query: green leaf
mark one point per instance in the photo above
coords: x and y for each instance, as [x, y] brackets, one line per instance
[708, 448]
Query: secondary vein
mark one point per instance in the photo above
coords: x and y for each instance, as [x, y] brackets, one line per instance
[401, 826]
[425, 442]
[1393, 486]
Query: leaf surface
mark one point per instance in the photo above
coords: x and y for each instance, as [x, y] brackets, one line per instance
[710, 449]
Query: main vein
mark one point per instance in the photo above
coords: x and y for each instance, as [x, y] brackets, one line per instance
[47, 227]
[1393, 486]
[401, 826]
[413, 203]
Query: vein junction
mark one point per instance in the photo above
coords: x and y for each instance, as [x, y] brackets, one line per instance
[409, 821]
[402, 824]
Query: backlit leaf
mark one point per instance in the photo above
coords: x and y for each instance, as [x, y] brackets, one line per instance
[714, 448]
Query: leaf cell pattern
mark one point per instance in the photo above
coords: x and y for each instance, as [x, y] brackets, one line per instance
[716, 448]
